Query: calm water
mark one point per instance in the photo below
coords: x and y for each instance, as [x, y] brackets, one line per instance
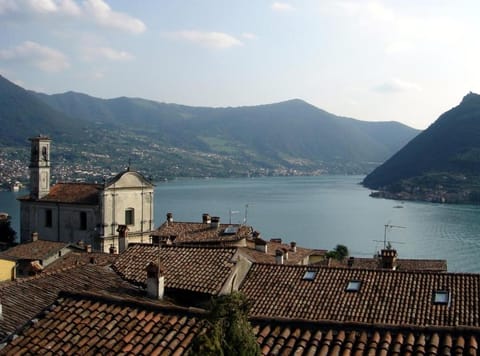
[321, 212]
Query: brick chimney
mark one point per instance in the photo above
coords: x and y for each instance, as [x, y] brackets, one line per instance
[279, 257]
[155, 281]
[169, 218]
[293, 246]
[215, 222]
[122, 238]
[206, 219]
[34, 236]
[260, 245]
[389, 259]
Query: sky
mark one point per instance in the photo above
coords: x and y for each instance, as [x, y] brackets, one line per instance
[406, 61]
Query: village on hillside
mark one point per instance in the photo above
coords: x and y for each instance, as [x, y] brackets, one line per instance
[95, 274]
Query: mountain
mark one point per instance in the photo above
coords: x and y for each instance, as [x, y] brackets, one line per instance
[289, 137]
[440, 164]
[23, 115]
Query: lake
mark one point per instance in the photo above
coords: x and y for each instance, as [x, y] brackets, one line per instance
[321, 212]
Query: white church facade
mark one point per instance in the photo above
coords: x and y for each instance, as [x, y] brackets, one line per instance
[87, 212]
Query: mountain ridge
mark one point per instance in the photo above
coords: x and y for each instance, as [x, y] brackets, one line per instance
[180, 140]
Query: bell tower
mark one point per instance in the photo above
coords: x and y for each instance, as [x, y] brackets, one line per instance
[39, 167]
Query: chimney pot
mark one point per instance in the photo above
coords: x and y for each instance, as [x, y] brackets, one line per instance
[389, 259]
[34, 236]
[112, 250]
[155, 281]
[215, 222]
[260, 245]
[169, 217]
[293, 245]
[206, 219]
[88, 248]
[279, 257]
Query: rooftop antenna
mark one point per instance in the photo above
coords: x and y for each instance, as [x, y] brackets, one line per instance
[246, 214]
[389, 246]
[129, 163]
[231, 212]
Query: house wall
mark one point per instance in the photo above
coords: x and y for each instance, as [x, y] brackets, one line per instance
[129, 192]
[65, 224]
[7, 270]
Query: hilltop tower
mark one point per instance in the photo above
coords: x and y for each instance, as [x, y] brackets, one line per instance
[39, 167]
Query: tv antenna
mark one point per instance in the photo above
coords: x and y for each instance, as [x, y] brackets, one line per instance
[230, 213]
[385, 245]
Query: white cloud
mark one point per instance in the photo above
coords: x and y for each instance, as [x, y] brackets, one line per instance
[207, 39]
[249, 36]
[282, 6]
[107, 53]
[395, 85]
[105, 16]
[97, 10]
[42, 57]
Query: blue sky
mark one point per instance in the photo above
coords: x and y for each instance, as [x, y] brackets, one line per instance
[407, 61]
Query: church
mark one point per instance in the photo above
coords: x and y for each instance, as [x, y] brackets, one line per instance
[107, 216]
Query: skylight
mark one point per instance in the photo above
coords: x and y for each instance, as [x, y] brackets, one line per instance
[309, 275]
[353, 286]
[441, 297]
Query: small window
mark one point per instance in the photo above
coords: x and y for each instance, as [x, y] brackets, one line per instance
[83, 220]
[130, 216]
[309, 275]
[48, 218]
[353, 286]
[441, 297]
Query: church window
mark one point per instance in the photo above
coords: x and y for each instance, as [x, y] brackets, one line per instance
[48, 218]
[83, 220]
[130, 216]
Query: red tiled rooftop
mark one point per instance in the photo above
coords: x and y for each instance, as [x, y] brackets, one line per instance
[35, 250]
[298, 257]
[402, 264]
[195, 233]
[92, 324]
[23, 299]
[76, 193]
[203, 270]
[384, 297]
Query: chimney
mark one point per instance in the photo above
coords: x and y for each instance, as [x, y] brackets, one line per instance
[285, 253]
[389, 259]
[112, 250]
[260, 245]
[169, 218]
[122, 237]
[34, 236]
[293, 246]
[206, 218]
[88, 248]
[215, 222]
[155, 281]
[350, 261]
[279, 257]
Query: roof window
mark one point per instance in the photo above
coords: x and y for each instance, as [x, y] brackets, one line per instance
[441, 297]
[309, 275]
[353, 286]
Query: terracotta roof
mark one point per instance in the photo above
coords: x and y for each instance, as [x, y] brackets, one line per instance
[195, 233]
[25, 298]
[35, 250]
[82, 258]
[74, 193]
[203, 270]
[294, 258]
[91, 324]
[402, 264]
[384, 297]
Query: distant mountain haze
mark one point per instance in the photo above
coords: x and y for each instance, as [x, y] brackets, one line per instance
[443, 160]
[290, 135]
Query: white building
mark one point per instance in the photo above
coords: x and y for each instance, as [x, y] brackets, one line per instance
[92, 213]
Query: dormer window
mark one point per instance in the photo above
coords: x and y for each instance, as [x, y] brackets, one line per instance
[441, 297]
[353, 286]
[309, 275]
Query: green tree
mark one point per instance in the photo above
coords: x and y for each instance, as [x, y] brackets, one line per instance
[228, 331]
[339, 252]
[7, 234]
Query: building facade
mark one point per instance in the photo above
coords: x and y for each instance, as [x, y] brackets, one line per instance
[92, 213]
